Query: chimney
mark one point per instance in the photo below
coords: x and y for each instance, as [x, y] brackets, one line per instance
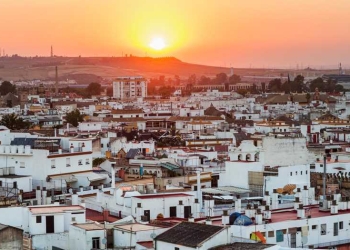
[225, 219]
[75, 198]
[20, 196]
[296, 203]
[305, 196]
[113, 179]
[38, 195]
[343, 204]
[181, 209]
[238, 202]
[258, 217]
[99, 195]
[105, 214]
[274, 204]
[267, 197]
[190, 219]
[262, 206]
[301, 212]
[71, 148]
[312, 193]
[138, 212]
[197, 208]
[44, 196]
[334, 207]
[267, 213]
[83, 148]
[208, 221]
[248, 211]
[60, 150]
[298, 193]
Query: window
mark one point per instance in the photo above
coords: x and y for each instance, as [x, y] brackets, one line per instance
[314, 227]
[291, 174]
[22, 164]
[80, 162]
[53, 164]
[341, 225]
[38, 219]
[176, 248]
[335, 229]
[323, 229]
[73, 219]
[306, 172]
[101, 145]
[96, 242]
[67, 162]
[296, 172]
[87, 161]
[271, 234]
[301, 172]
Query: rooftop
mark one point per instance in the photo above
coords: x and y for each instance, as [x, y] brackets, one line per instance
[158, 196]
[242, 246]
[89, 226]
[136, 227]
[54, 209]
[189, 234]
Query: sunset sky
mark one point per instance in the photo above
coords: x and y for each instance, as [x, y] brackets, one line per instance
[256, 33]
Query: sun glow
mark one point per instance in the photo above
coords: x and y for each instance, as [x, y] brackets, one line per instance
[157, 43]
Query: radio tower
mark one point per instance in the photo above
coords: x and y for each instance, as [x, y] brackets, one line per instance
[56, 85]
[51, 51]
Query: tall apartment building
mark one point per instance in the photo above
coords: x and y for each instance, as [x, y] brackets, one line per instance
[129, 87]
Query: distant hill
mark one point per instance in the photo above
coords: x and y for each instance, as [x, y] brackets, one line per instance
[22, 68]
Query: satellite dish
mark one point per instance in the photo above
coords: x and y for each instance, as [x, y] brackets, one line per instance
[104, 241]
[153, 235]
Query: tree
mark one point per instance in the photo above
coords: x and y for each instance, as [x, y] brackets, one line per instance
[7, 87]
[220, 78]
[297, 84]
[94, 88]
[14, 122]
[275, 85]
[74, 117]
[234, 79]
[308, 97]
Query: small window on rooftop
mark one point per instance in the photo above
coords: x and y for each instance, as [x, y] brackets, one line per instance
[314, 227]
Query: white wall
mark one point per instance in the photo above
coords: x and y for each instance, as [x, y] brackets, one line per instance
[161, 205]
[314, 236]
[236, 173]
[15, 217]
[47, 241]
[40, 228]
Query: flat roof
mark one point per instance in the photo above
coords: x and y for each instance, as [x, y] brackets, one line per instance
[155, 196]
[90, 226]
[292, 215]
[54, 209]
[136, 227]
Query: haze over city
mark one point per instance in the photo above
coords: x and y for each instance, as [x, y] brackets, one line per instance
[227, 33]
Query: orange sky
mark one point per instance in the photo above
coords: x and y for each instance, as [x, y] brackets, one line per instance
[253, 33]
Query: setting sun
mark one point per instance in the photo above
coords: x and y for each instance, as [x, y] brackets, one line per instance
[157, 43]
